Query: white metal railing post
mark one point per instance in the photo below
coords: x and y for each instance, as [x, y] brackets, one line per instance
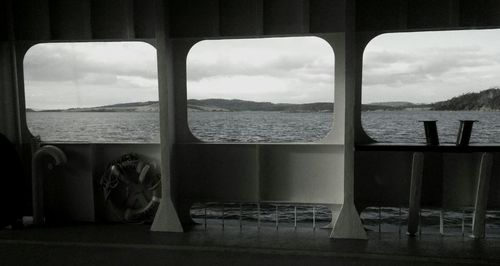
[222, 216]
[417, 169]
[241, 215]
[258, 216]
[441, 222]
[295, 217]
[482, 189]
[277, 217]
[314, 217]
[205, 216]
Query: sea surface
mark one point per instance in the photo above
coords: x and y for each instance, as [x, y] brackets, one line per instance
[95, 127]
[277, 127]
[405, 126]
[383, 126]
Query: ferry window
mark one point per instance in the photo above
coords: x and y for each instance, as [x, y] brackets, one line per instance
[261, 90]
[441, 75]
[92, 92]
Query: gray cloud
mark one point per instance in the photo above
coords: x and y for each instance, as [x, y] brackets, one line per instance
[63, 63]
[398, 68]
[99, 79]
[306, 67]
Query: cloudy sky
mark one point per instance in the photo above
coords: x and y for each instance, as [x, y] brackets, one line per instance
[63, 75]
[426, 67]
[417, 67]
[293, 70]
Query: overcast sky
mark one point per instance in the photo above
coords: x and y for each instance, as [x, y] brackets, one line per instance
[418, 67]
[63, 75]
[293, 70]
[427, 67]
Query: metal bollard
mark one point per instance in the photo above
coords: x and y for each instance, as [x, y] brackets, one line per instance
[464, 132]
[431, 134]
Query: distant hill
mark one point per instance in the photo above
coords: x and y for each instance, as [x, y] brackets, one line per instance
[482, 101]
[151, 106]
[487, 100]
[393, 104]
[241, 105]
[207, 105]
[235, 105]
[376, 107]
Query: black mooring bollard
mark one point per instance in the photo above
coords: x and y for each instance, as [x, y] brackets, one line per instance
[431, 133]
[464, 132]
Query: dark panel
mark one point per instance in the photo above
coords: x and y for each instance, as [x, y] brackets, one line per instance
[144, 18]
[380, 15]
[70, 19]
[241, 17]
[32, 19]
[492, 13]
[430, 13]
[494, 196]
[327, 15]
[377, 183]
[479, 13]
[4, 25]
[469, 12]
[432, 180]
[286, 16]
[8, 107]
[194, 18]
[112, 19]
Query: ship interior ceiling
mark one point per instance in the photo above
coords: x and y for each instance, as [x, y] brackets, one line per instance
[346, 170]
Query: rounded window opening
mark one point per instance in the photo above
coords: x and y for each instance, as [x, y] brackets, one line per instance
[100, 92]
[261, 90]
[441, 75]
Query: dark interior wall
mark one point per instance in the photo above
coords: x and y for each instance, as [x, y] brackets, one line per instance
[243, 17]
[45, 20]
[145, 12]
[112, 19]
[130, 19]
[192, 18]
[395, 15]
[70, 19]
[8, 106]
[479, 13]
[4, 25]
[31, 19]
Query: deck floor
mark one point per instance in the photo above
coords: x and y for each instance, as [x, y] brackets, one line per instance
[91, 244]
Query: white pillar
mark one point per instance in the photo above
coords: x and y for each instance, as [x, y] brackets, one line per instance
[347, 72]
[166, 218]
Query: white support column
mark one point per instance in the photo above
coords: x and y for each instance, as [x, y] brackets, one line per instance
[417, 170]
[347, 74]
[482, 189]
[348, 224]
[166, 218]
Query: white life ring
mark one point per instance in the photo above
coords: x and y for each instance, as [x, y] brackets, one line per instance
[132, 187]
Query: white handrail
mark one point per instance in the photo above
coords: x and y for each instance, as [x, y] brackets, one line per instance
[38, 179]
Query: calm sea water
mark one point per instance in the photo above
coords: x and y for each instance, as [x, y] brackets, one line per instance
[404, 126]
[383, 126]
[95, 127]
